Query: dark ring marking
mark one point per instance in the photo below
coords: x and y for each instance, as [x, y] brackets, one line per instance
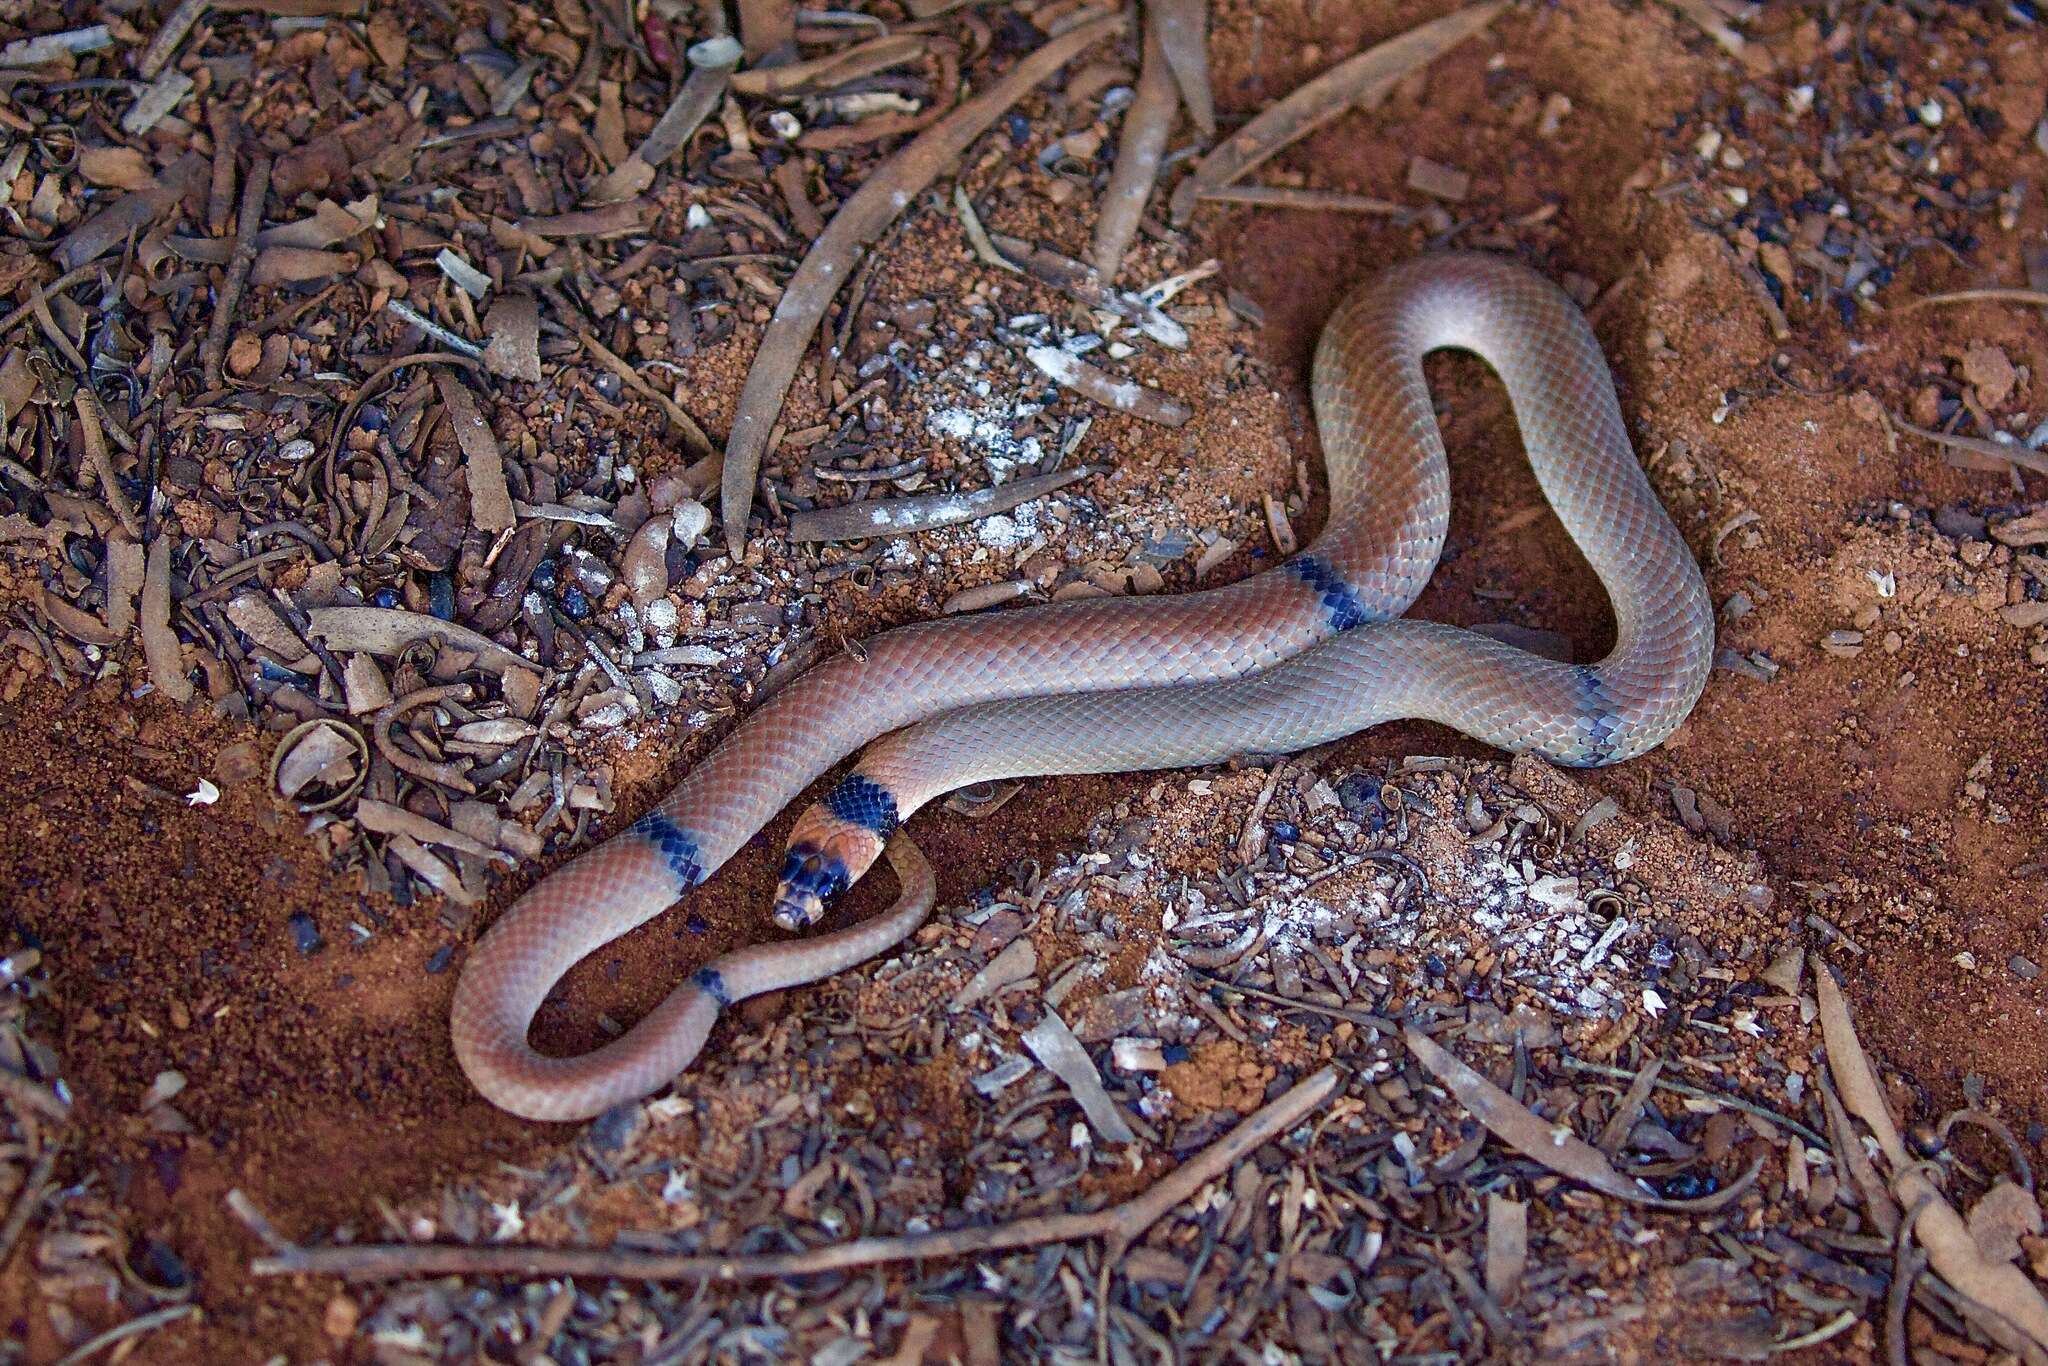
[677, 849]
[1602, 725]
[1339, 602]
[861, 801]
[711, 984]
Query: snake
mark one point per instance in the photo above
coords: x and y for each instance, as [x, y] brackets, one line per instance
[1314, 648]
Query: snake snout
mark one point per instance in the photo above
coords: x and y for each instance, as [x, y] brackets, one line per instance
[810, 877]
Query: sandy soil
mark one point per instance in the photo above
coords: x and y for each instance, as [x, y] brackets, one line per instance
[1893, 793]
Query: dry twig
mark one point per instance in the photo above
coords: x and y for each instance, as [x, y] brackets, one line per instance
[1119, 395]
[1362, 80]
[25, 1203]
[121, 1332]
[1965, 296]
[103, 461]
[693, 435]
[1996, 451]
[253, 191]
[1121, 1225]
[902, 516]
[886, 192]
[1315, 201]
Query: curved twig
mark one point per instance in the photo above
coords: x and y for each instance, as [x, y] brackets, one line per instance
[447, 774]
[1121, 1225]
[1966, 296]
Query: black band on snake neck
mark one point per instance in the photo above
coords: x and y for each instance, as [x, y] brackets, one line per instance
[861, 801]
[677, 849]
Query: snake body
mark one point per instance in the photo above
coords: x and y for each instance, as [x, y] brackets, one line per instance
[1291, 657]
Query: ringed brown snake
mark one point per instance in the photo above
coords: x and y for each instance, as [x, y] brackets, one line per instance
[1305, 652]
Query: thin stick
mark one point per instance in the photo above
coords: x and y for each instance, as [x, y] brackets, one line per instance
[158, 54]
[1358, 1017]
[1315, 201]
[1964, 296]
[144, 1323]
[1183, 28]
[1679, 1088]
[1908, 1262]
[57, 286]
[454, 341]
[1361, 80]
[2016, 454]
[1731, 42]
[1121, 1225]
[227, 144]
[25, 1203]
[925, 512]
[103, 462]
[253, 191]
[882, 197]
[693, 435]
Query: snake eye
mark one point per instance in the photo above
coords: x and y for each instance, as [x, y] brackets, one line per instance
[792, 865]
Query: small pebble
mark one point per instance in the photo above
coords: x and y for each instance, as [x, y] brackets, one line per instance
[305, 934]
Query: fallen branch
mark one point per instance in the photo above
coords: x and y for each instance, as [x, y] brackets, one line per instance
[168, 35]
[1365, 79]
[25, 1203]
[32, 1094]
[1120, 1225]
[387, 631]
[1710, 23]
[885, 194]
[902, 516]
[102, 461]
[160, 647]
[121, 1332]
[711, 69]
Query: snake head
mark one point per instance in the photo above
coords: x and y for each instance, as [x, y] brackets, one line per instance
[808, 880]
[827, 854]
